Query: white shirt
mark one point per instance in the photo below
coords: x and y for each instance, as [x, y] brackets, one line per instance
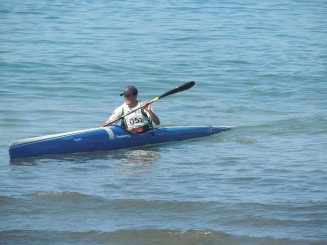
[134, 120]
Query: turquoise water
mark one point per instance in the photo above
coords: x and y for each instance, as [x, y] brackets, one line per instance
[258, 66]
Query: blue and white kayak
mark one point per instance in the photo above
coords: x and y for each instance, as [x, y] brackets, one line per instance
[111, 137]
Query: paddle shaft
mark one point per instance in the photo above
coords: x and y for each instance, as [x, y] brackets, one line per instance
[178, 89]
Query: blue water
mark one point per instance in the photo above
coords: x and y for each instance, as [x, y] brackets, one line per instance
[258, 66]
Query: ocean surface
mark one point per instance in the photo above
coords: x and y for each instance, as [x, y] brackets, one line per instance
[260, 66]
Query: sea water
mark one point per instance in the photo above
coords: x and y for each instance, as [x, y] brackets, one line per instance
[258, 65]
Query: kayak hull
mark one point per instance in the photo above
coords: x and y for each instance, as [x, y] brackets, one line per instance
[112, 137]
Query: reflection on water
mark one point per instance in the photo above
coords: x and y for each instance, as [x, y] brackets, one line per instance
[140, 156]
[136, 162]
[128, 156]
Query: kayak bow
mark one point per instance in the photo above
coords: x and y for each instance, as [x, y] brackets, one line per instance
[112, 137]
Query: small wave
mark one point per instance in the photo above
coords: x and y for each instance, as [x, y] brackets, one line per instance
[142, 237]
[246, 141]
[300, 124]
[6, 200]
[65, 195]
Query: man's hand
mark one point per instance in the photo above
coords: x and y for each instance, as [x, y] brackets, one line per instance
[104, 123]
[147, 106]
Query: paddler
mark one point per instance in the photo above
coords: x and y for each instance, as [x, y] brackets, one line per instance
[139, 121]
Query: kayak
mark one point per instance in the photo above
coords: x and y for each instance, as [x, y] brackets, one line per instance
[112, 137]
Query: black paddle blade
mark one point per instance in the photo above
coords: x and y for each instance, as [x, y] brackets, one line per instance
[181, 88]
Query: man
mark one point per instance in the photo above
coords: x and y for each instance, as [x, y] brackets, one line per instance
[139, 121]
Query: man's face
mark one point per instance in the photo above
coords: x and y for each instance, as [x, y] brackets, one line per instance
[130, 100]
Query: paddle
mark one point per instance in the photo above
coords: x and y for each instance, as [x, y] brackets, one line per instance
[178, 89]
